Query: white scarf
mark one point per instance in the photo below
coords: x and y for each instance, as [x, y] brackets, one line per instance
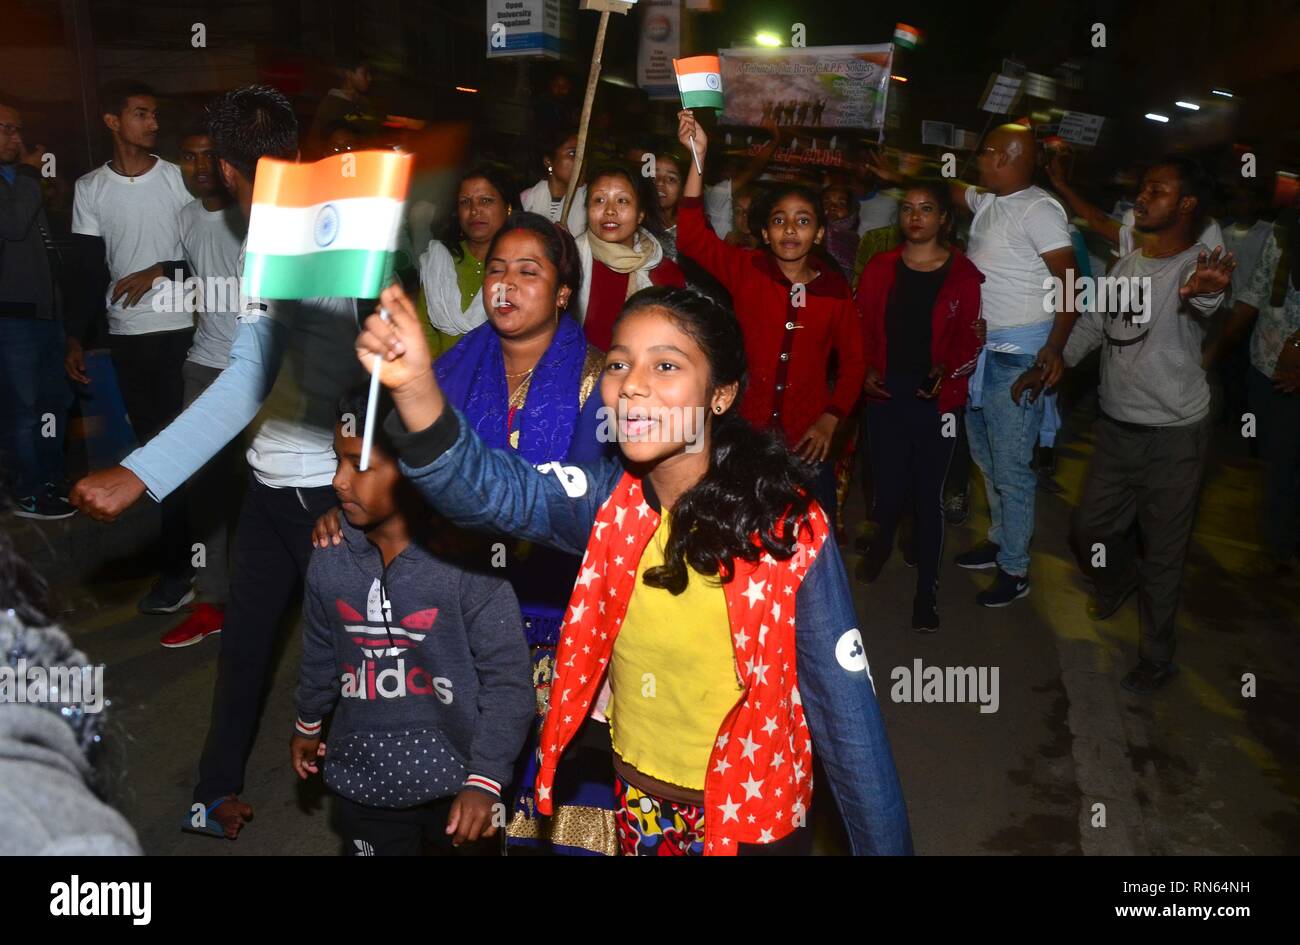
[641, 277]
[442, 293]
[537, 199]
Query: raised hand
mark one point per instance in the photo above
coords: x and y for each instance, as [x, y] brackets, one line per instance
[688, 127]
[1213, 274]
[399, 340]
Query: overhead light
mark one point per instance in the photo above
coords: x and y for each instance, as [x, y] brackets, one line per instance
[765, 38]
[1190, 106]
[1154, 117]
[1224, 92]
[461, 88]
[898, 78]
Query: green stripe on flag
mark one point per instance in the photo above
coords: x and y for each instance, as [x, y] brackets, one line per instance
[340, 273]
[705, 98]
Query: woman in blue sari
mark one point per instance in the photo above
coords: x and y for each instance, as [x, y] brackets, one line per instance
[523, 380]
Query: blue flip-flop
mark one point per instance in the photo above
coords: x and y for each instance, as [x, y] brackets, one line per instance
[210, 827]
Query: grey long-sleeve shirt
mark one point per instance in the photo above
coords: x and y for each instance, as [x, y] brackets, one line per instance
[1151, 346]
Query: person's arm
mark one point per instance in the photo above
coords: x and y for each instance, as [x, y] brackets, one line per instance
[844, 720]
[1098, 220]
[188, 442]
[726, 263]
[1059, 262]
[471, 484]
[1259, 287]
[749, 173]
[318, 681]
[19, 205]
[847, 329]
[964, 344]
[868, 300]
[506, 701]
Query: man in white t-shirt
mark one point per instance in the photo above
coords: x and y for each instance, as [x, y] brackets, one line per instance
[1019, 240]
[133, 204]
[212, 237]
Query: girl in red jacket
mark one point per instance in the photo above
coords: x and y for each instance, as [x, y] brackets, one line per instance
[919, 305]
[794, 308]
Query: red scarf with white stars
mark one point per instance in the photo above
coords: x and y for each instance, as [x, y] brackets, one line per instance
[759, 784]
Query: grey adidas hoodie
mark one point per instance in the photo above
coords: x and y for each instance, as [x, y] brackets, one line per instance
[422, 646]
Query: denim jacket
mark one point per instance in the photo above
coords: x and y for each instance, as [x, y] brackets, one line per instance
[556, 505]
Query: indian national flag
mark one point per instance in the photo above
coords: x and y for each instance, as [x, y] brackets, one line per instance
[325, 229]
[699, 79]
[906, 36]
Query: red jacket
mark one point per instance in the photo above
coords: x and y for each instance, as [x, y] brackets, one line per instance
[777, 756]
[787, 347]
[952, 322]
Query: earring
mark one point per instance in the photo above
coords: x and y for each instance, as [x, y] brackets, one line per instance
[717, 408]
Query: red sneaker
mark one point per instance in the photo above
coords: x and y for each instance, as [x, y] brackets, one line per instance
[204, 620]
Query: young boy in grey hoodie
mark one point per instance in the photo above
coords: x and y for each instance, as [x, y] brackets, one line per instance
[1154, 429]
[422, 661]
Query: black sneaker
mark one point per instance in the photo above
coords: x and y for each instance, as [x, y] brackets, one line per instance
[862, 544]
[168, 595]
[42, 507]
[984, 555]
[1004, 589]
[1148, 676]
[956, 508]
[925, 615]
[872, 563]
[1103, 607]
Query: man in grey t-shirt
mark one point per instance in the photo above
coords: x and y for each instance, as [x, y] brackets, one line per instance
[1154, 428]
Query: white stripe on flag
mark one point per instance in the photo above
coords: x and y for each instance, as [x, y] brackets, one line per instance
[369, 223]
[699, 82]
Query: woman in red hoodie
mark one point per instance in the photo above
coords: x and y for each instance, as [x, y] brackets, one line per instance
[919, 304]
[795, 309]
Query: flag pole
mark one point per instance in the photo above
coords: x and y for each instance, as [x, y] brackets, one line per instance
[372, 405]
[593, 78]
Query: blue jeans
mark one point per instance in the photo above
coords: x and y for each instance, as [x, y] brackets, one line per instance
[1002, 437]
[35, 395]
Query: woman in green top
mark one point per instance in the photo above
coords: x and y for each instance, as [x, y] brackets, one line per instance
[451, 269]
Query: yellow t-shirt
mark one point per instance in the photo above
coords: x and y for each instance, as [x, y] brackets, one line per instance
[673, 675]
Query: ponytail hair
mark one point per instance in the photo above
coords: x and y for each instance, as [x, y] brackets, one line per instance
[754, 485]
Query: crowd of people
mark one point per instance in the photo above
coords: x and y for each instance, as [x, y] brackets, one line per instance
[588, 595]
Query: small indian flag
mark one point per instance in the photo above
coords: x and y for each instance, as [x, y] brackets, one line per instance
[325, 229]
[699, 79]
[906, 36]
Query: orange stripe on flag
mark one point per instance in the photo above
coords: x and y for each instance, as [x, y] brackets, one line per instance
[337, 177]
[697, 64]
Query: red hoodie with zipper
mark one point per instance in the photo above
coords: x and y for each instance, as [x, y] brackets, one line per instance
[953, 342]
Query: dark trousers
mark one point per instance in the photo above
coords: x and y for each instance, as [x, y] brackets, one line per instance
[149, 376]
[909, 459]
[271, 551]
[959, 469]
[34, 399]
[375, 831]
[1277, 418]
[1151, 476]
[214, 493]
